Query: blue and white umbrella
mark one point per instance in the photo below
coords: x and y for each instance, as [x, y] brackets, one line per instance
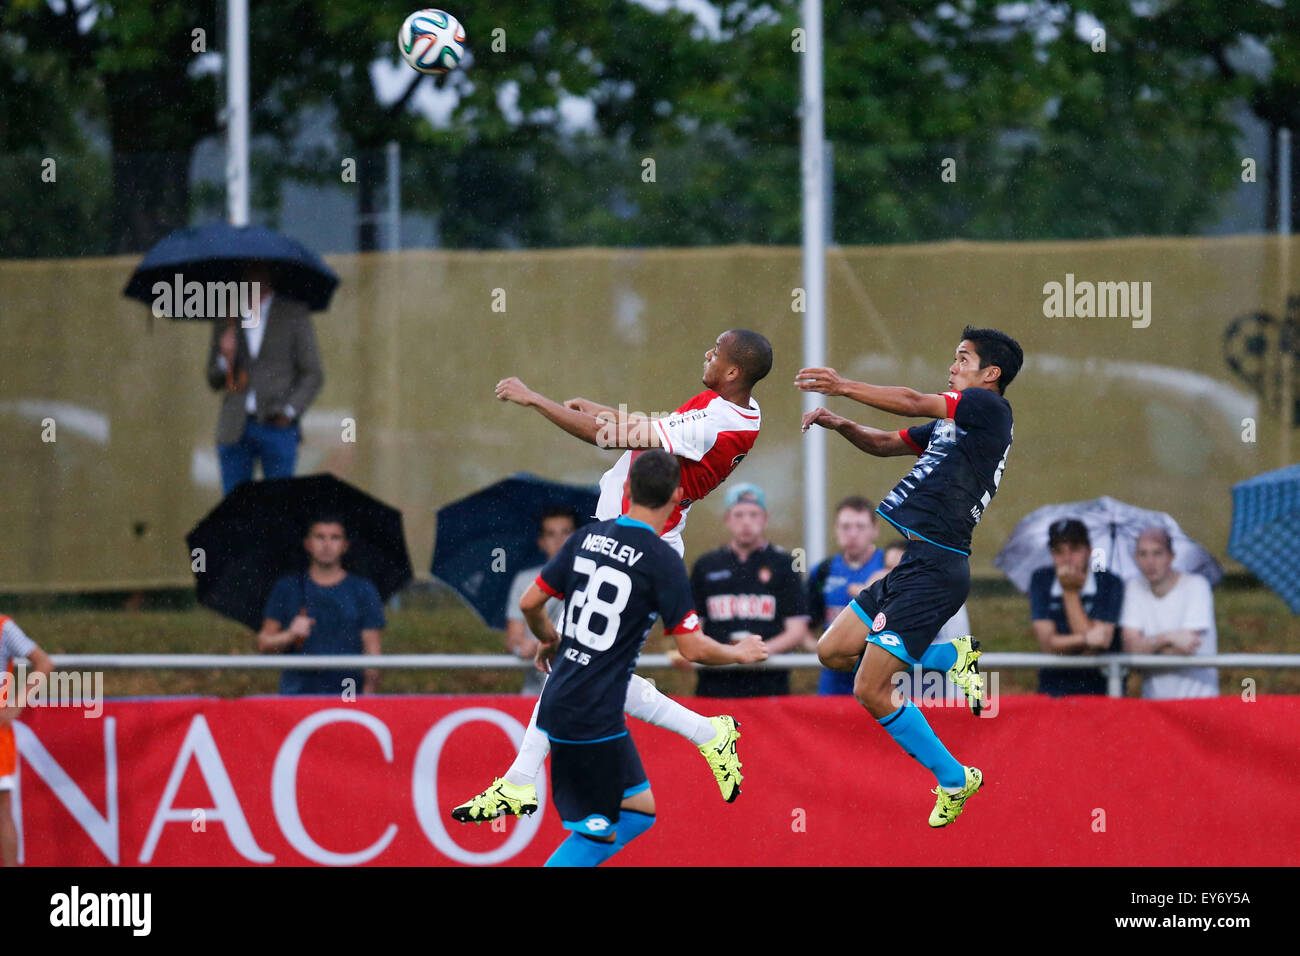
[1266, 530]
[1113, 529]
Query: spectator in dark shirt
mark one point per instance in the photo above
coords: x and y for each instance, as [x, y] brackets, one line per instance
[1074, 610]
[324, 610]
[749, 587]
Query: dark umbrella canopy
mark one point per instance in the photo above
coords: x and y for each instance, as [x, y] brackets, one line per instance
[501, 516]
[218, 252]
[255, 536]
[1266, 530]
[1113, 529]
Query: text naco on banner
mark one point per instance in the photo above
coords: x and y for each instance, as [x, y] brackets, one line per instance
[266, 781]
[109, 422]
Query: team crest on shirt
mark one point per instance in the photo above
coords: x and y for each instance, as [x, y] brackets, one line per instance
[879, 623]
[765, 574]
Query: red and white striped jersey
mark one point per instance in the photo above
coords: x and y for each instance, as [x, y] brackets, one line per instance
[709, 435]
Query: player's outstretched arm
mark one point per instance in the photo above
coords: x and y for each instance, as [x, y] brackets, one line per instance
[606, 429]
[873, 441]
[697, 648]
[896, 399]
[576, 423]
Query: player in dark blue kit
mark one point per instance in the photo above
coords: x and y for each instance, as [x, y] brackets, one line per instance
[936, 506]
[616, 578]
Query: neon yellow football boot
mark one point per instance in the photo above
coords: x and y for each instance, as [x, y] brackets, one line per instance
[496, 801]
[720, 752]
[948, 806]
[965, 673]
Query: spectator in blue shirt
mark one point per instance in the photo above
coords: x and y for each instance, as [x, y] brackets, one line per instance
[837, 580]
[324, 610]
[1074, 610]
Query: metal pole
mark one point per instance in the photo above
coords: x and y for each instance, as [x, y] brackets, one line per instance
[814, 276]
[237, 112]
[1286, 398]
[393, 154]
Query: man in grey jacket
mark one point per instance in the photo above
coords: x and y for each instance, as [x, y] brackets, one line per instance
[269, 370]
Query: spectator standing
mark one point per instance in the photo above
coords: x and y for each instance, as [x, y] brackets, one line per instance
[1169, 612]
[837, 580]
[270, 372]
[13, 644]
[1074, 610]
[554, 527]
[749, 587]
[324, 610]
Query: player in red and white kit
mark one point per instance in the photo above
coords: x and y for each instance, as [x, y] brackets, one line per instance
[710, 434]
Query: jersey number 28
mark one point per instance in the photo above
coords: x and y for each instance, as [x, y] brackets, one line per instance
[588, 603]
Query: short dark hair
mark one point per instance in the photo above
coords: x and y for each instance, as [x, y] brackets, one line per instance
[326, 519]
[996, 348]
[1158, 532]
[1068, 531]
[556, 511]
[856, 503]
[653, 478]
[752, 352]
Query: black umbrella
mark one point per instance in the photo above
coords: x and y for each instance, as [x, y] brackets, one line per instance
[255, 536]
[495, 530]
[219, 252]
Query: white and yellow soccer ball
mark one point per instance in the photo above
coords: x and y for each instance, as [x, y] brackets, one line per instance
[432, 41]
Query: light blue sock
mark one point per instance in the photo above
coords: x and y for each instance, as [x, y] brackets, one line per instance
[912, 732]
[579, 850]
[631, 825]
[939, 657]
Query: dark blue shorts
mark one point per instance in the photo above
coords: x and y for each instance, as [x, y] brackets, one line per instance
[908, 607]
[590, 781]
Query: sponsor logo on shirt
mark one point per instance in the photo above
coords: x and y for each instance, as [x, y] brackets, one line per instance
[744, 607]
[690, 622]
[718, 575]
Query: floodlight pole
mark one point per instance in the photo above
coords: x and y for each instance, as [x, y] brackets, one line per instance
[237, 112]
[813, 172]
[1286, 398]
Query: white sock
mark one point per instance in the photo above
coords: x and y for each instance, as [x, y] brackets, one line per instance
[645, 702]
[532, 754]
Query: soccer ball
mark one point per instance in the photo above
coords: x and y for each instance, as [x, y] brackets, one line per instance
[432, 41]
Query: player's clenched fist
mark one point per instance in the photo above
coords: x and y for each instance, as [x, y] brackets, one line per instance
[823, 417]
[512, 390]
[752, 649]
[824, 380]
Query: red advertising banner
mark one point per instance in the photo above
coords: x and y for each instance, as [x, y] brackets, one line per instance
[296, 781]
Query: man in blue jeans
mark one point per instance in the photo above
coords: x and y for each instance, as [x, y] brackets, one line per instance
[269, 368]
[324, 610]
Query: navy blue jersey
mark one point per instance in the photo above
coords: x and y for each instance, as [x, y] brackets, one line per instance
[1102, 598]
[962, 457]
[616, 578]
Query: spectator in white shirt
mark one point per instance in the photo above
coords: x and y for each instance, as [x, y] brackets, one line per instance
[1168, 612]
[554, 527]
